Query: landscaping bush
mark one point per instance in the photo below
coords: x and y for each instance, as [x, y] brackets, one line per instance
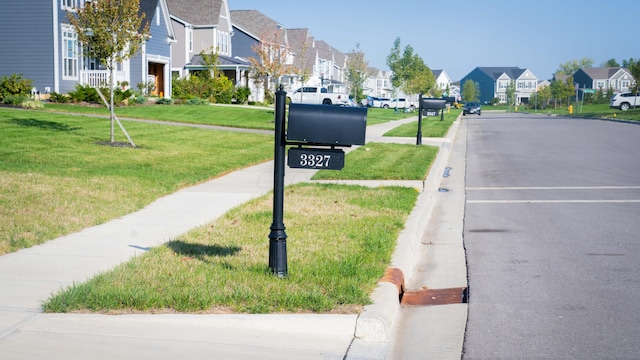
[58, 98]
[164, 101]
[32, 105]
[197, 101]
[85, 94]
[14, 85]
[242, 94]
[222, 90]
[14, 99]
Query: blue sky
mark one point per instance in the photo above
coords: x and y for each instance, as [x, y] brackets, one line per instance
[460, 35]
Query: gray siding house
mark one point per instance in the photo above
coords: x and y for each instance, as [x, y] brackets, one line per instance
[43, 47]
[616, 78]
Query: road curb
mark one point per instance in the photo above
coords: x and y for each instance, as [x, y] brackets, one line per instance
[376, 322]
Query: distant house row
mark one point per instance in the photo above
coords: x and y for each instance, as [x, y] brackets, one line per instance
[493, 81]
[39, 43]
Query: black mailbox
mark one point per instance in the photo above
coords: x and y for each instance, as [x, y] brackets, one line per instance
[327, 125]
[434, 104]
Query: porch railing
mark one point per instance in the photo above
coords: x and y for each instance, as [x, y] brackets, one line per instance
[100, 78]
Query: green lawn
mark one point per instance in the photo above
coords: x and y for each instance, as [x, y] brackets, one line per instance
[220, 115]
[55, 179]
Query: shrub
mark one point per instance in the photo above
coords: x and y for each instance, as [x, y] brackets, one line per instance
[58, 98]
[242, 94]
[32, 105]
[14, 85]
[223, 90]
[140, 99]
[164, 101]
[14, 99]
[85, 94]
[197, 101]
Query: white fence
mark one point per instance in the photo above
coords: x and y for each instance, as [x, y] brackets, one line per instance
[100, 78]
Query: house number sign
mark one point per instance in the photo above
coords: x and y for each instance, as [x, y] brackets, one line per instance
[312, 158]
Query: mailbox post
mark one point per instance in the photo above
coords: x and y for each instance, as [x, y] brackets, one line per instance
[309, 125]
[277, 236]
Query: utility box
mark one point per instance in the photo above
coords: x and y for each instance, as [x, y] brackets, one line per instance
[327, 125]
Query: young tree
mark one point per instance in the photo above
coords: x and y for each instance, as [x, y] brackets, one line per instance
[302, 63]
[111, 31]
[574, 65]
[611, 63]
[470, 91]
[511, 94]
[634, 67]
[357, 72]
[410, 73]
[271, 61]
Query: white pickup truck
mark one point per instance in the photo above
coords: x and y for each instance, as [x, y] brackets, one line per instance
[399, 103]
[318, 96]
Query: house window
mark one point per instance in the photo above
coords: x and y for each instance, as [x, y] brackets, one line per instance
[72, 4]
[190, 40]
[69, 53]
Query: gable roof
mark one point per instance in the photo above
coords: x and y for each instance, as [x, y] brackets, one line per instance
[601, 73]
[495, 72]
[254, 22]
[196, 12]
[301, 43]
[148, 8]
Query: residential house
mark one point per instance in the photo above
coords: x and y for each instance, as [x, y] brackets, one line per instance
[204, 26]
[443, 81]
[325, 64]
[39, 43]
[304, 58]
[494, 81]
[330, 65]
[616, 78]
[251, 28]
[378, 84]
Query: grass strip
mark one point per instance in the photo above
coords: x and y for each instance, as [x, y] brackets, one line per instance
[381, 161]
[340, 240]
[431, 126]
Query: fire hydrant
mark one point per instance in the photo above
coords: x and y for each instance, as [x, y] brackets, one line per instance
[570, 109]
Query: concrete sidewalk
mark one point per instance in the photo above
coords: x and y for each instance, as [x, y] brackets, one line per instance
[29, 276]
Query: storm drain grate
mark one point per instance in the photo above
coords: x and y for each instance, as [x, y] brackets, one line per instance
[426, 297]
[423, 297]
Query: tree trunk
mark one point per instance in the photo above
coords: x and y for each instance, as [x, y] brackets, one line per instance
[111, 112]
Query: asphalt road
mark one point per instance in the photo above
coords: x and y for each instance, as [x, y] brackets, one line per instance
[551, 232]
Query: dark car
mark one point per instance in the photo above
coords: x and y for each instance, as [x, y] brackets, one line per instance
[471, 108]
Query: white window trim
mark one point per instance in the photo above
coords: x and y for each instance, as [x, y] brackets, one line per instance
[65, 51]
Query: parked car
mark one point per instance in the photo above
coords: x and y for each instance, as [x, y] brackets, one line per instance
[372, 101]
[471, 108]
[399, 103]
[624, 101]
[318, 96]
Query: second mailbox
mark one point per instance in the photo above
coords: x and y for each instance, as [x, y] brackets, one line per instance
[327, 125]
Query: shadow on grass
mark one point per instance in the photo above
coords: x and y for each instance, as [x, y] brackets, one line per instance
[42, 124]
[201, 252]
